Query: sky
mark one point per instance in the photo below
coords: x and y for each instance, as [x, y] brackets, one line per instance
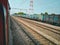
[40, 6]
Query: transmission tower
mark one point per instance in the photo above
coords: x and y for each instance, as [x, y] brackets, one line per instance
[30, 10]
[31, 7]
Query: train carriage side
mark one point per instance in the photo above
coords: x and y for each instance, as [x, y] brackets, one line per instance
[3, 22]
[57, 20]
[40, 17]
[2, 31]
[47, 18]
[51, 19]
[44, 18]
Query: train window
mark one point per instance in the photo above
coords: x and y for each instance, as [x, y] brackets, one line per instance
[4, 9]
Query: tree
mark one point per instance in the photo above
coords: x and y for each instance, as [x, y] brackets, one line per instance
[15, 13]
[46, 13]
[41, 13]
[52, 14]
[21, 13]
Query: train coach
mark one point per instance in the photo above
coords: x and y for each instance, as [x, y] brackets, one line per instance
[56, 20]
[52, 19]
[4, 10]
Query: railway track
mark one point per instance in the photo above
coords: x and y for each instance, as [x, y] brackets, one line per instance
[27, 40]
[51, 32]
[57, 31]
[46, 25]
[42, 25]
[43, 34]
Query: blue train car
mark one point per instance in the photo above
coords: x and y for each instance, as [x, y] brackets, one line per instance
[57, 20]
[39, 17]
[45, 18]
[51, 19]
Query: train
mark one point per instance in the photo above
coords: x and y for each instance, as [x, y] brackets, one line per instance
[4, 12]
[50, 18]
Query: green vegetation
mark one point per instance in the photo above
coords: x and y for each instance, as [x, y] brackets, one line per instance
[46, 13]
[52, 14]
[41, 13]
[20, 13]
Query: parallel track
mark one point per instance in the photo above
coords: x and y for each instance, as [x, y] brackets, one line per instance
[39, 33]
[56, 32]
[34, 41]
[44, 26]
